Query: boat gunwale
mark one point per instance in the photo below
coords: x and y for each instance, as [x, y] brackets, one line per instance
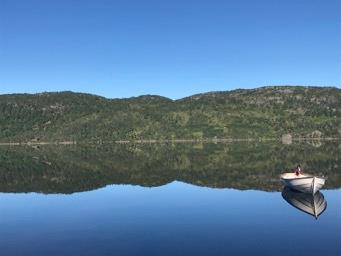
[307, 177]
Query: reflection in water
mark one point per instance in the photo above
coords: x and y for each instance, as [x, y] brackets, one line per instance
[175, 219]
[314, 205]
[69, 169]
[172, 218]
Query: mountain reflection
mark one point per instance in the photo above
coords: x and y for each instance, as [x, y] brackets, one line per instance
[68, 169]
[314, 205]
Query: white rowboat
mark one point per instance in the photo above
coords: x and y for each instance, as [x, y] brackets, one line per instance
[305, 183]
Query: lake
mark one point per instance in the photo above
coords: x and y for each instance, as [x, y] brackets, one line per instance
[197, 199]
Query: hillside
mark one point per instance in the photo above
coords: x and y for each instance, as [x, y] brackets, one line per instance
[267, 112]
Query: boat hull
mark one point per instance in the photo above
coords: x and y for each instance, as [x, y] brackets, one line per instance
[305, 184]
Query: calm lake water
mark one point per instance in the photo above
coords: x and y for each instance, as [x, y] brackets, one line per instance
[165, 200]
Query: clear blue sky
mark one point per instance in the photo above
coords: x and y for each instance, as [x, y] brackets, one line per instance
[172, 48]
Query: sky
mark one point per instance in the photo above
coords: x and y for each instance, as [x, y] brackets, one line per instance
[171, 48]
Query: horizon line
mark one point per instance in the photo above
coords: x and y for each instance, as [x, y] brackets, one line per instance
[161, 96]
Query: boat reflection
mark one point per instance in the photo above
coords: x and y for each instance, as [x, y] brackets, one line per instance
[313, 205]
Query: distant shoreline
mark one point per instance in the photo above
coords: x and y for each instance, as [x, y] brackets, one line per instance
[214, 140]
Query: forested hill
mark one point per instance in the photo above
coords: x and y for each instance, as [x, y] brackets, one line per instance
[267, 112]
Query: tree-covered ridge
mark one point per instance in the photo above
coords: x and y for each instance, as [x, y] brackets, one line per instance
[67, 169]
[264, 112]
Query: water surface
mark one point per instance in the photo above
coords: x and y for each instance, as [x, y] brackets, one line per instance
[166, 200]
